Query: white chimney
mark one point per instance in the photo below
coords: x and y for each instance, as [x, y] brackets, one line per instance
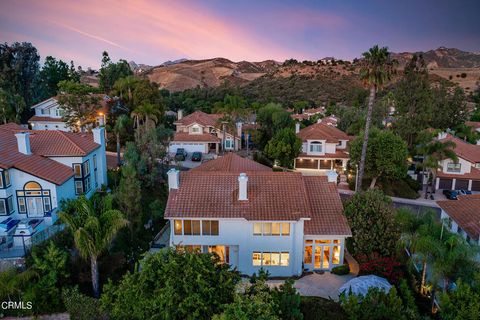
[99, 135]
[297, 127]
[179, 114]
[242, 187]
[173, 178]
[332, 176]
[23, 142]
[442, 135]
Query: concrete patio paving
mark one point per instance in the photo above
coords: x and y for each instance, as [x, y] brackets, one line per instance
[323, 285]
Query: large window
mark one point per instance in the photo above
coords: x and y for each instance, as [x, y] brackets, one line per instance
[454, 167]
[83, 182]
[6, 206]
[228, 144]
[196, 227]
[33, 200]
[271, 229]
[196, 129]
[4, 179]
[316, 146]
[271, 259]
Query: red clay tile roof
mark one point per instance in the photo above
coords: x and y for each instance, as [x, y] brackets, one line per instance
[473, 124]
[200, 117]
[465, 150]
[204, 137]
[43, 144]
[45, 119]
[465, 212]
[327, 216]
[300, 116]
[474, 174]
[321, 131]
[278, 196]
[232, 162]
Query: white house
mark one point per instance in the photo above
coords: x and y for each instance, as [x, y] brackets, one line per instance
[324, 148]
[49, 113]
[463, 174]
[254, 218]
[202, 132]
[38, 169]
[463, 216]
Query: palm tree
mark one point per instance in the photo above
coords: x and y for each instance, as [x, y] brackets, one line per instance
[120, 127]
[94, 226]
[377, 69]
[434, 152]
[147, 114]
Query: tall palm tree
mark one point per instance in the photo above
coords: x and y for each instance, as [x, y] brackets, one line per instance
[146, 114]
[94, 226]
[120, 127]
[377, 69]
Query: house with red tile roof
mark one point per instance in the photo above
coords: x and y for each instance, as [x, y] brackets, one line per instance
[463, 216]
[49, 113]
[463, 174]
[324, 148]
[255, 218]
[39, 169]
[203, 132]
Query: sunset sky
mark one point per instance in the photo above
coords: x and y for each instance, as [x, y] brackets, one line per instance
[152, 32]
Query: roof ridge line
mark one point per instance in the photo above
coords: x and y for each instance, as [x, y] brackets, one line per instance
[73, 142]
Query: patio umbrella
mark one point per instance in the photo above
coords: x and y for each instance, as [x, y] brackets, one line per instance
[360, 285]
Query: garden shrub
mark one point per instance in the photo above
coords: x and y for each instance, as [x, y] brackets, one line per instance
[316, 308]
[341, 270]
[80, 306]
[386, 267]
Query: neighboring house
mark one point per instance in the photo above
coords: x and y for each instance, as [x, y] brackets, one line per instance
[39, 169]
[324, 148]
[204, 133]
[473, 124]
[463, 216]
[463, 174]
[254, 218]
[49, 113]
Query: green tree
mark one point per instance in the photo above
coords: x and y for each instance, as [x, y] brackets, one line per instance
[121, 125]
[80, 306]
[54, 71]
[462, 303]
[288, 301]
[50, 264]
[284, 147]
[172, 285]
[12, 282]
[386, 155]
[110, 72]
[256, 303]
[413, 98]
[375, 305]
[450, 108]
[271, 118]
[298, 106]
[80, 103]
[375, 72]
[94, 227]
[372, 220]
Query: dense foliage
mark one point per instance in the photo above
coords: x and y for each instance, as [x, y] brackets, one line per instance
[371, 217]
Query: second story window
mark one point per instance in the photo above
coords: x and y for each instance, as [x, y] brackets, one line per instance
[196, 227]
[82, 177]
[316, 146]
[271, 229]
[196, 129]
[454, 167]
[4, 179]
[6, 206]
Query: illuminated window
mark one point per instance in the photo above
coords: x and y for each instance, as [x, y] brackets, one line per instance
[187, 227]
[275, 229]
[323, 241]
[32, 186]
[267, 229]
[257, 259]
[266, 258]
[196, 227]
[336, 255]
[285, 229]
[275, 259]
[177, 227]
[285, 259]
[257, 229]
[307, 258]
[77, 168]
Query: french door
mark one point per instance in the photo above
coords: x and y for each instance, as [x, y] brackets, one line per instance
[35, 207]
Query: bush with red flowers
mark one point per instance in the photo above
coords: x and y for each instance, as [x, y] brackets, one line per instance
[386, 267]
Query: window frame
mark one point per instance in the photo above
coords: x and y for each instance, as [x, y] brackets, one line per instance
[457, 167]
[263, 227]
[318, 144]
[270, 258]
